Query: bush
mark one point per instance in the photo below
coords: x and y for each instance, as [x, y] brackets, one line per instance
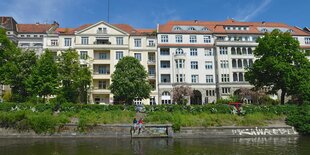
[300, 119]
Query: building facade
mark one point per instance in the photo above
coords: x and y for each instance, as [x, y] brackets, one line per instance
[209, 57]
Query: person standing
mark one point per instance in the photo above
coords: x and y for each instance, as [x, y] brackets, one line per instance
[140, 123]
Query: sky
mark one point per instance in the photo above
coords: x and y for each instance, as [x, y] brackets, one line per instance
[149, 13]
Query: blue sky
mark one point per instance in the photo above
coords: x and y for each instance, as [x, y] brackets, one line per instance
[148, 13]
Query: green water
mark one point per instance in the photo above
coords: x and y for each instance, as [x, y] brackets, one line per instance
[110, 146]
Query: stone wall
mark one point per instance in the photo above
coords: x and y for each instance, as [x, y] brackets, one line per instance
[156, 130]
[209, 132]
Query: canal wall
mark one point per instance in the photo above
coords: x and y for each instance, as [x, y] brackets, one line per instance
[155, 130]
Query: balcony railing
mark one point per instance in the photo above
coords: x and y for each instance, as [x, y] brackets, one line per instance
[151, 45]
[101, 73]
[151, 62]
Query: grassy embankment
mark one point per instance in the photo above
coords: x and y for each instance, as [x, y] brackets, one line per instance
[42, 119]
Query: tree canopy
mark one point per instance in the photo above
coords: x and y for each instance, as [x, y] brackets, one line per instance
[281, 65]
[129, 81]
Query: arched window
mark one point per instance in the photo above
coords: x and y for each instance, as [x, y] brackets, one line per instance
[239, 63]
[233, 50]
[165, 93]
[240, 76]
[264, 30]
[191, 29]
[290, 30]
[177, 28]
[179, 51]
[244, 51]
[205, 29]
[250, 51]
[245, 63]
[250, 62]
[235, 77]
[239, 51]
[234, 63]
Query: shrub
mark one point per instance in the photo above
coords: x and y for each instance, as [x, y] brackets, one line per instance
[300, 119]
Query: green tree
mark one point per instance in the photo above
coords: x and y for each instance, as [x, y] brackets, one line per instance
[279, 64]
[43, 81]
[75, 80]
[129, 81]
[15, 67]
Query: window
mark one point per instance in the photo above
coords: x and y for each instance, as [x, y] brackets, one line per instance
[151, 43]
[233, 51]
[225, 77]
[103, 56]
[250, 51]
[208, 52]
[264, 30]
[119, 41]
[178, 38]
[152, 100]
[209, 78]
[179, 63]
[239, 63]
[192, 39]
[193, 52]
[137, 42]
[250, 62]
[67, 41]
[235, 76]
[307, 40]
[165, 78]
[195, 78]
[102, 84]
[83, 55]
[245, 63]
[103, 69]
[35, 36]
[165, 98]
[138, 56]
[191, 29]
[234, 63]
[102, 40]
[179, 51]
[137, 101]
[180, 77]
[54, 42]
[41, 36]
[224, 63]
[210, 92]
[164, 38]
[102, 30]
[226, 90]
[164, 51]
[207, 39]
[84, 40]
[194, 64]
[22, 35]
[177, 29]
[28, 36]
[164, 64]
[223, 50]
[208, 64]
[119, 55]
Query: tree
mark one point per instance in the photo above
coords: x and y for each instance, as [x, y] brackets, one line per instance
[15, 67]
[179, 94]
[43, 81]
[75, 80]
[279, 64]
[129, 81]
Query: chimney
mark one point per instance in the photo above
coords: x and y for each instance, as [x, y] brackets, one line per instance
[37, 23]
[263, 22]
[196, 21]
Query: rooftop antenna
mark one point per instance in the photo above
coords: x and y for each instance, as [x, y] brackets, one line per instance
[108, 11]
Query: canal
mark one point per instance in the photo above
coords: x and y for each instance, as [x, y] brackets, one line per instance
[106, 146]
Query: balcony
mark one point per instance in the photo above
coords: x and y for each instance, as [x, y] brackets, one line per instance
[151, 62]
[151, 45]
[152, 76]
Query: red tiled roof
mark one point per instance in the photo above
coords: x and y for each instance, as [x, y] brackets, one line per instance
[71, 31]
[218, 27]
[125, 27]
[33, 28]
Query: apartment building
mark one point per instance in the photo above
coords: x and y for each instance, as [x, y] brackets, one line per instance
[211, 57]
[100, 47]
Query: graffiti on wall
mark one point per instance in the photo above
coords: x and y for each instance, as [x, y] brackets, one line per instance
[265, 131]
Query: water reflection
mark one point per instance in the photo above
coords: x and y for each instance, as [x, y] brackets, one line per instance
[164, 146]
